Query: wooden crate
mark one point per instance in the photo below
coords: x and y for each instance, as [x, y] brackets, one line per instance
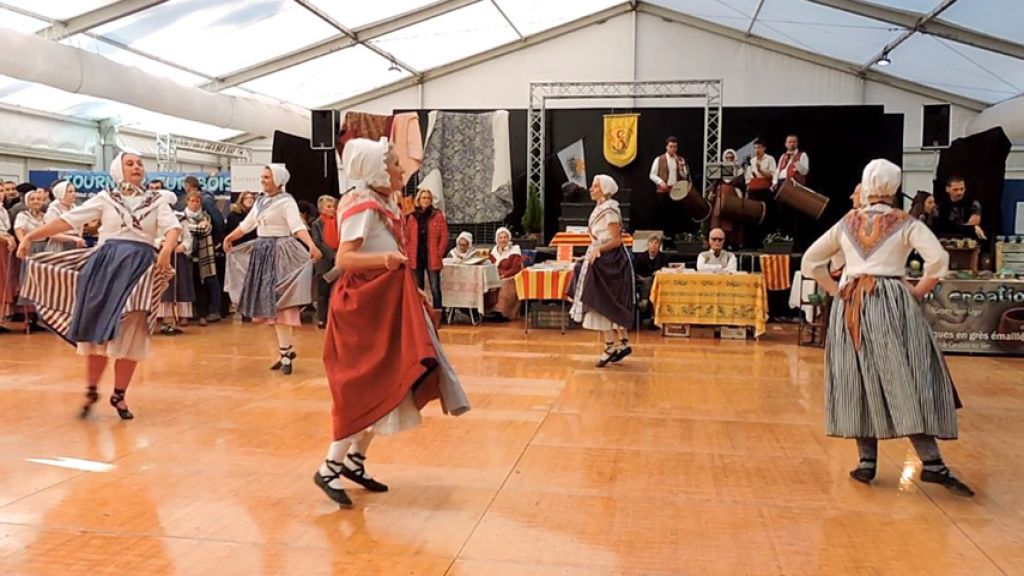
[733, 332]
[549, 315]
[676, 330]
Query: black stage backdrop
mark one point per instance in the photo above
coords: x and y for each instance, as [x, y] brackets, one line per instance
[839, 141]
[980, 159]
[308, 180]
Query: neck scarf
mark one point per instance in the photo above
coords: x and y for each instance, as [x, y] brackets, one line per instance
[331, 235]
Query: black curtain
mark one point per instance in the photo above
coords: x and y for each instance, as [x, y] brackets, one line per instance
[308, 179]
[839, 140]
[980, 159]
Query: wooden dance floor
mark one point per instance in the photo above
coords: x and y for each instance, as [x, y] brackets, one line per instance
[694, 457]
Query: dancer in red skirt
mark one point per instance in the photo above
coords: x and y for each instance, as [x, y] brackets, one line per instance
[382, 356]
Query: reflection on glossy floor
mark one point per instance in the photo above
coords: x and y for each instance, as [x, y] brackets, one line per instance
[694, 457]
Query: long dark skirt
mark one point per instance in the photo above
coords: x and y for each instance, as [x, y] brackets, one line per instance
[608, 288]
[897, 383]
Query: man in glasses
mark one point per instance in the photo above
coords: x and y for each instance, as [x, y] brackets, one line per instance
[717, 259]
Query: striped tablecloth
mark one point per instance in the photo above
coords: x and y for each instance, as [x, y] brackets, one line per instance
[543, 283]
[715, 299]
[775, 268]
[573, 239]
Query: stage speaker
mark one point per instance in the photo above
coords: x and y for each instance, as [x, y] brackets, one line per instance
[324, 132]
[935, 126]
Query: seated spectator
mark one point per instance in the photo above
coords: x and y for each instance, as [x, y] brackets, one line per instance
[503, 305]
[717, 259]
[463, 249]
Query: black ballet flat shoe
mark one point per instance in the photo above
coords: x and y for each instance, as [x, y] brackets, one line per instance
[606, 357]
[620, 355]
[278, 365]
[865, 474]
[359, 474]
[286, 369]
[91, 397]
[118, 398]
[337, 495]
[946, 478]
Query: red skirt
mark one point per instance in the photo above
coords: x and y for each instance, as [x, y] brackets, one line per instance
[377, 349]
[8, 279]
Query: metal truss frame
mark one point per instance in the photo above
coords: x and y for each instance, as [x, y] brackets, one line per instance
[167, 146]
[541, 92]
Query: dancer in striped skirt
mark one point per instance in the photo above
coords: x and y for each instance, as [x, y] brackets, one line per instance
[885, 376]
[104, 300]
[603, 285]
[272, 278]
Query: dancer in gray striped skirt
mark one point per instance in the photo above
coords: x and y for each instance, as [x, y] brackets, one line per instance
[271, 278]
[885, 376]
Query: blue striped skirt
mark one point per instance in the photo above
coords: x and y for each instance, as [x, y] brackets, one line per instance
[104, 285]
[82, 294]
[896, 382]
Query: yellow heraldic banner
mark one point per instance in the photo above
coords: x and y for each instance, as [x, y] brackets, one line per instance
[620, 138]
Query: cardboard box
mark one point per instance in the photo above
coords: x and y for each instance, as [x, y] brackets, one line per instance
[733, 332]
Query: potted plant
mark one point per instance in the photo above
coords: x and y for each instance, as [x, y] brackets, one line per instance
[778, 243]
[533, 218]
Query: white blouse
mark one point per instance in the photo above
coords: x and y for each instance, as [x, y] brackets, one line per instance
[876, 241]
[370, 227]
[604, 215]
[5, 222]
[142, 218]
[28, 223]
[274, 216]
[55, 211]
[764, 164]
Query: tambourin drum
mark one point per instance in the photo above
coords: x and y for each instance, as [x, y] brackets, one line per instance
[742, 209]
[696, 205]
[801, 198]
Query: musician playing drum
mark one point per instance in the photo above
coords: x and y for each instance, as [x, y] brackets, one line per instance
[666, 170]
[760, 172]
[793, 164]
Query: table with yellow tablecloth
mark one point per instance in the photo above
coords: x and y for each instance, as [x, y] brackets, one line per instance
[715, 299]
[543, 283]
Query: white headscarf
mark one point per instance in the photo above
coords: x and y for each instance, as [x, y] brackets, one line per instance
[117, 168]
[366, 163]
[457, 252]
[280, 174]
[881, 179]
[60, 189]
[608, 186]
[735, 158]
[513, 249]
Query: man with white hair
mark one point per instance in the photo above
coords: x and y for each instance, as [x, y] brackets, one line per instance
[717, 259]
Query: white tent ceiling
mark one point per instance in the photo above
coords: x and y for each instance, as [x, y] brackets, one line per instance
[314, 53]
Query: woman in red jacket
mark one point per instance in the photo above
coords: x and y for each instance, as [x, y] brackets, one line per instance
[426, 235]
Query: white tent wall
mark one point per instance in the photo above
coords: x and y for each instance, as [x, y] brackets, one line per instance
[34, 140]
[665, 50]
